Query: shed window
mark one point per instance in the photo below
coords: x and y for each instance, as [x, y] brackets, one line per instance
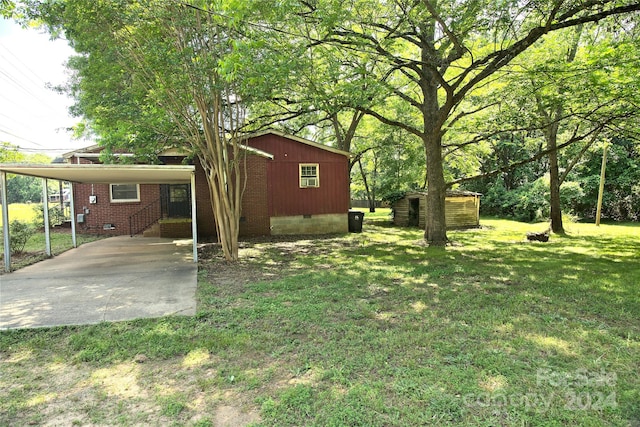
[309, 176]
[124, 193]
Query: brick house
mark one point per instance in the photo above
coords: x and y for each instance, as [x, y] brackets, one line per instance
[294, 186]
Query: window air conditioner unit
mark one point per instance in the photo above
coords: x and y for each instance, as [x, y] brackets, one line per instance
[309, 182]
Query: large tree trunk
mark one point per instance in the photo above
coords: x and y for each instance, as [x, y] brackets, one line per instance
[436, 228]
[554, 179]
[552, 144]
[435, 232]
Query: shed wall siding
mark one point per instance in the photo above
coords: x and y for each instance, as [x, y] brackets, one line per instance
[460, 211]
[401, 212]
[286, 198]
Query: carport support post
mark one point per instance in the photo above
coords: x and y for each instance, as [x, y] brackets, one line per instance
[194, 217]
[45, 211]
[72, 213]
[5, 221]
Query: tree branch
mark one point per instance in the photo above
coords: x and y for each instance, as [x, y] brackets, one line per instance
[499, 59]
[575, 138]
[459, 47]
[393, 123]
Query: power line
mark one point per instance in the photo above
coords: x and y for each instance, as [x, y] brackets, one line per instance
[17, 59]
[17, 84]
[19, 137]
[20, 74]
[22, 124]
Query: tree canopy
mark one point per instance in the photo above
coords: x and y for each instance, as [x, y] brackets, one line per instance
[482, 87]
[20, 188]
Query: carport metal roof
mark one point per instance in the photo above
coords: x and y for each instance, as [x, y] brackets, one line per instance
[106, 174]
[97, 174]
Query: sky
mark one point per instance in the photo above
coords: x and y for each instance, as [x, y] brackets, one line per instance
[32, 116]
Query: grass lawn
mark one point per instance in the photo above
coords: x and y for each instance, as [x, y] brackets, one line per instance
[21, 211]
[369, 329]
[34, 250]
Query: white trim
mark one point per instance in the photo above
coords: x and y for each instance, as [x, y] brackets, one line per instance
[301, 140]
[309, 181]
[5, 221]
[112, 200]
[194, 217]
[105, 174]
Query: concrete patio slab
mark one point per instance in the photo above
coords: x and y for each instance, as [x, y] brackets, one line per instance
[119, 278]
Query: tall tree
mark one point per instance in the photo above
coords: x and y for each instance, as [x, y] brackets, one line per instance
[432, 55]
[558, 99]
[552, 114]
[154, 73]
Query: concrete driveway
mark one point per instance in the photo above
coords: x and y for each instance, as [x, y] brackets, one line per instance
[119, 278]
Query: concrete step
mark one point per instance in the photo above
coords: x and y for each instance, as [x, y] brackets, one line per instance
[153, 231]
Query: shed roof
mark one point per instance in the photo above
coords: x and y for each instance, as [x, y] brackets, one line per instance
[450, 193]
[299, 139]
[106, 174]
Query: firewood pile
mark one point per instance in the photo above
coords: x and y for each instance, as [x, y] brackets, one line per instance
[539, 237]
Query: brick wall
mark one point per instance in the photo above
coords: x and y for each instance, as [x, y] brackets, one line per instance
[255, 210]
[204, 211]
[175, 228]
[106, 212]
[254, 220]
[255, 202]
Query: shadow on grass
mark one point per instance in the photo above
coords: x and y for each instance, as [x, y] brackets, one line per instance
[372, 329]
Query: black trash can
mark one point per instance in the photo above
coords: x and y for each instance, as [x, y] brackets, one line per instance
[355, 221]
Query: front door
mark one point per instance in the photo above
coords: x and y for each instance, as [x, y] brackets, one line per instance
[176, 200]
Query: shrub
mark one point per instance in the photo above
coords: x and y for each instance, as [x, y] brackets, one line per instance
[20, 233]
[56, 215]
[530, 202]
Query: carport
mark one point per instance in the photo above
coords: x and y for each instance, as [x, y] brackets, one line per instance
[94, 174]
[114, 279]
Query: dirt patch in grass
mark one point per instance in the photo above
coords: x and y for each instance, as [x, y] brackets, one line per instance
[266, 258]
[156, 392]
[213, 384]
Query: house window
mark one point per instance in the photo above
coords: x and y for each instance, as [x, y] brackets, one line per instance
[178, 193]
[309, 176]
[124, 193]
